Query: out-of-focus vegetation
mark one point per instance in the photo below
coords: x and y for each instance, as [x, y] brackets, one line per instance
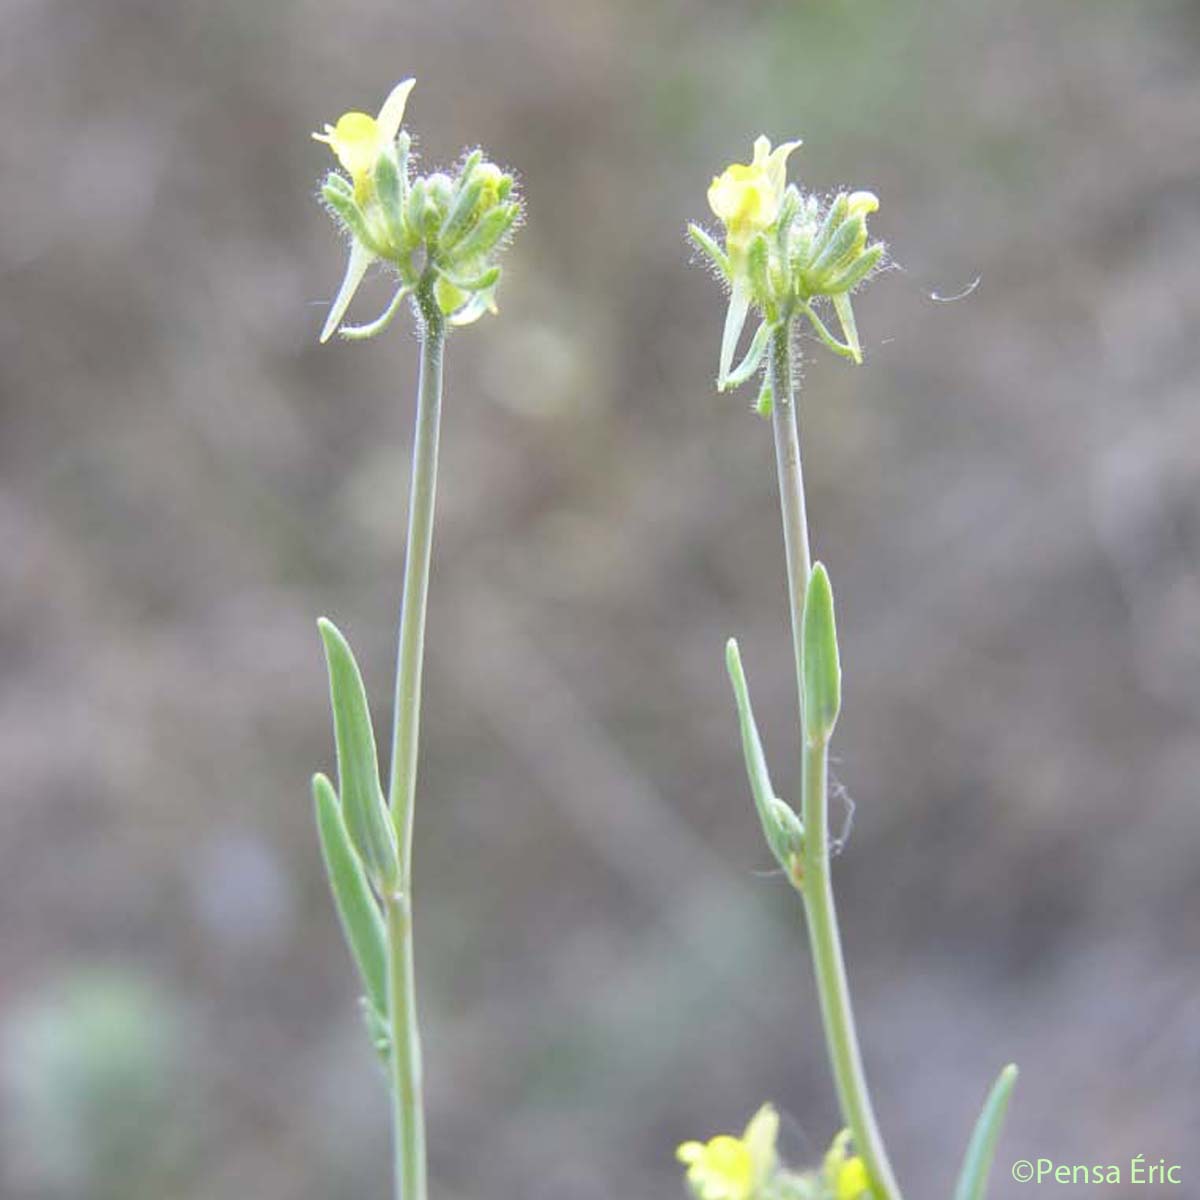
[1007, 495]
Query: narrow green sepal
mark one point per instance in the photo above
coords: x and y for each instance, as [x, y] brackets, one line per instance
[388, 189]
[753, 360]
[356, 267]
[475, 283]
[757, 256]
[362, 922]
[858, 270]
[709, 248]
[972, 1179]
[462, 209]
[414, 212]
[840, 249]
[735, 322]
[357, 333]
[782, 829]
[819, 659]
[348, 212]
[487, 232]
[364, 809]
[822, 331]
[845, 315]
[837, 213]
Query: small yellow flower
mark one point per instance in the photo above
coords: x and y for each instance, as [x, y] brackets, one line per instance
[729, 1168]
[846, 1173]
[746, 197]
[358, 139]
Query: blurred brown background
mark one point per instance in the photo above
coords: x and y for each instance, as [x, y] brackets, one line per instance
[1006, 495]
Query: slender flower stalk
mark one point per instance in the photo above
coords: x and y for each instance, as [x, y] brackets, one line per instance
[783, 253]
[440, 236]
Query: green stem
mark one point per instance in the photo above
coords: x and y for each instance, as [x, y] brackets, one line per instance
[837, 1013]
[408, 1112]
[407, 1105]
[791, 484]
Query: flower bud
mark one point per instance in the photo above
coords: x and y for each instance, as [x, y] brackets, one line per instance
[820, 666]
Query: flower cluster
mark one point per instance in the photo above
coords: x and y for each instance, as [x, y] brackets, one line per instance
[748, 1168]
[783, 251]
[439, 232]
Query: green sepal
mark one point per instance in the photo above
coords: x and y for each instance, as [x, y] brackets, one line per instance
[345, 208]
[476, 283]
[822, 331]
[709, 248]
[735, 322]
[757, 257]
[972, 1179]
[462, 209]
[487, 232]
[362, 922]
[858, 270]
[753, 360]
[821, 670]
[781, 827]
[837, 213]
[356, 267]
[846, 243]
[414, 211]
[845, 315]
[357, 333]
[391, 200]
[364, 809]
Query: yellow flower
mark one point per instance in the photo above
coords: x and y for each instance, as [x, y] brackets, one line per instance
[729, 1168]
[846, 1173]
[746, 196]
[358, 139]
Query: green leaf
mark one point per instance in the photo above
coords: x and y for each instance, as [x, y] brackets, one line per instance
[819, 659]
[972, 1179]
[823, 333]
[475, 283]
[362, 922]
[783, 837]
[363, 806]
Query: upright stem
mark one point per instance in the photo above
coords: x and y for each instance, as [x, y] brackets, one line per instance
[407, 1105]
[791, 486]
[837, 1013]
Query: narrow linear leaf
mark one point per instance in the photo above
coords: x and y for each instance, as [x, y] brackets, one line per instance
[362, 922]
[820, 665]
[765, 801]
[363, 806]
[972, 1179]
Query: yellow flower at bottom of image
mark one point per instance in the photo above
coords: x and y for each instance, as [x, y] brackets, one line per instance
[730, 1168]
